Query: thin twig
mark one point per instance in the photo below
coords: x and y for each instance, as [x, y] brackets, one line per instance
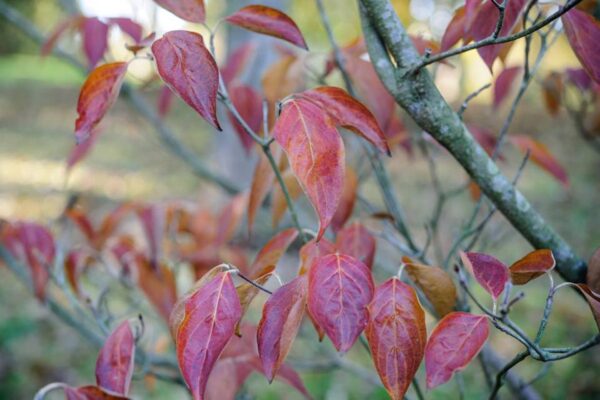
[491, 40]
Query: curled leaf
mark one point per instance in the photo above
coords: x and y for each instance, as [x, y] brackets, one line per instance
[340, 288]
[114, 366]
[396, 334]
[268, 21]
[98, 93]
[531, 266]
[281, 319]
[350, 113]
[436, 284]
[316, 154]
[454, 342]
[186, 65]
[593, 272]
[489, 272]
[593, 300]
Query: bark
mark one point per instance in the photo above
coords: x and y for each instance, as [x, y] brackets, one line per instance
[418, 95]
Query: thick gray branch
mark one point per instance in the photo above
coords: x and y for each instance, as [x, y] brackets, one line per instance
[418, 95]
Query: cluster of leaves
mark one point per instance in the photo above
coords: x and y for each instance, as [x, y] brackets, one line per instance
[334, 287]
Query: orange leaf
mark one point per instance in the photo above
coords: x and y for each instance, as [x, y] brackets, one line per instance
[279, 205]
[436, 284]
[531, 266]
[540, 154]
[97, 95]
[262, 182]
[271, 252]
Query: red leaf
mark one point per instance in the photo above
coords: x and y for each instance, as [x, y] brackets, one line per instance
[248, 102]
[97, 95]
[130, 27]
[490, 273]
[208, 323]
[339, 290]
[504, 82]
[237, 62]
[356, 241]
[348, 112]
[455, 30]
[278, 327]
[268, 21]
[454, 342]
[190, 71]
[531, 266]
[90, 393]
[189, 10]
[397, 335]
[270, 254]
[95, 39]
[344, 210]
[165, 101]
[485, 22]
[540, 154]
[316, 154]
[32, 245]
[583, 33]
[114, 367]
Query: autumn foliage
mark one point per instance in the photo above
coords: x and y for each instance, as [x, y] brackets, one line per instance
[302, 149]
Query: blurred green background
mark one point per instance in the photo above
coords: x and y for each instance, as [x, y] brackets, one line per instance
[38, 100]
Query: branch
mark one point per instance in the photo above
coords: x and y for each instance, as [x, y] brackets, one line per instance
[493, 39]
[166, 136]
[423, 102]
